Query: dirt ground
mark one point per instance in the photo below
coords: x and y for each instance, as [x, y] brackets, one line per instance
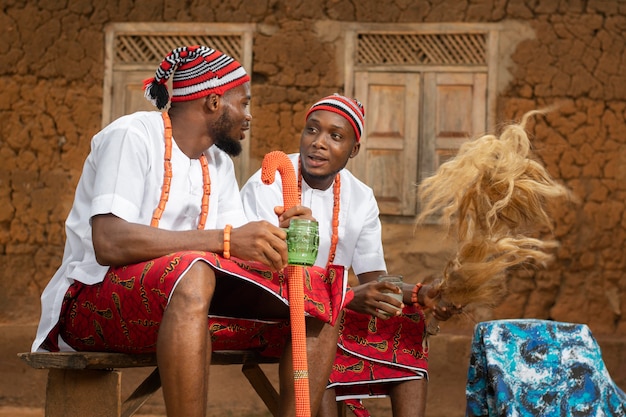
[39, 412]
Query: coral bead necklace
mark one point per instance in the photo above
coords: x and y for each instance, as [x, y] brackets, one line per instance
[335, 221]
[167, 179]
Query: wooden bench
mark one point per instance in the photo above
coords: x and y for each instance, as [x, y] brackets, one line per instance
[89, 383]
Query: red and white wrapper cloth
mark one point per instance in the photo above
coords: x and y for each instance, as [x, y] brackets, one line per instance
[123, 313]
[374, 353]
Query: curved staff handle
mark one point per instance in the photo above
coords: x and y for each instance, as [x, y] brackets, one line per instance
[272, 162]
[279, 161]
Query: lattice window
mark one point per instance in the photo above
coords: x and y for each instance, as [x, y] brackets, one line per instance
[422, 49]
[143, 49]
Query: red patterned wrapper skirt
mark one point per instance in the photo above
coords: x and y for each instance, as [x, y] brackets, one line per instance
[375, 353]
[124, 311]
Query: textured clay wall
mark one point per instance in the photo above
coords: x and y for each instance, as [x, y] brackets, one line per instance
[576, 61]
[51, 75]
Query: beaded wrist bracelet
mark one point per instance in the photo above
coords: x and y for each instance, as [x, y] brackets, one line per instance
[414, 293]
[226, 251]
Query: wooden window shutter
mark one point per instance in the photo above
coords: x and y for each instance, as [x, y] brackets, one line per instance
[426, 90]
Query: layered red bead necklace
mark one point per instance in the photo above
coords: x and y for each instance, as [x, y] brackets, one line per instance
[335, 221]
[167, 179]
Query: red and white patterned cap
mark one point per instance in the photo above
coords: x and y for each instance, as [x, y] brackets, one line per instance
[197, 72]
[351, 109]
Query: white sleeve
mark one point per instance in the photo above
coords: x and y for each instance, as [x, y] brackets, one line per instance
[121, 162]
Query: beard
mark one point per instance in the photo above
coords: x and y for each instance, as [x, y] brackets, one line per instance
[222, 135]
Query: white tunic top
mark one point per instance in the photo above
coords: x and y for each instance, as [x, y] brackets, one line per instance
[123, 175]
[359, 246]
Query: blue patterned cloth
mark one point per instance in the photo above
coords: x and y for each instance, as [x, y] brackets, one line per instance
[539, 368]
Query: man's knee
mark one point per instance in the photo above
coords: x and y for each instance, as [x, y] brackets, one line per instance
[196, 287]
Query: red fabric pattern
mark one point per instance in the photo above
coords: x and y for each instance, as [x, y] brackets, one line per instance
[357, 407]
[374, 352]
[123, 313]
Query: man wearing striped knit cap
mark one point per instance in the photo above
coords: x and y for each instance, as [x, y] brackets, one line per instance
[159, 249]
[380, 346]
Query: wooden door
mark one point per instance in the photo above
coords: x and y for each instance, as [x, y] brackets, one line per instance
[455, 110]
[388, 158]
[410, 130]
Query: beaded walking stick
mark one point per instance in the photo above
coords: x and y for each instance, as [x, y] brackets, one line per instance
[272, 162]
[492, 195]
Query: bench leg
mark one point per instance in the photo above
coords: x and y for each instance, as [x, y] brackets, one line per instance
[80, 393]
[262, 386]
[148, 387]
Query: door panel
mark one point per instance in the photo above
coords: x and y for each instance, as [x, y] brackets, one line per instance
[455, 110]
[410, 130]
[388, 158]
[128, 96]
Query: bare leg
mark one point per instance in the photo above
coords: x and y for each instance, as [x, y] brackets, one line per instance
[321, 347]
[328, 408]
[184, 344]
[409, 398]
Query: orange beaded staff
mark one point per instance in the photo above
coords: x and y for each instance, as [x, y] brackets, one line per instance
[272, 162]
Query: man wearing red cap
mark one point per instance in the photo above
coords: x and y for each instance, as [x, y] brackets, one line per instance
[380, 347]
[157, 240]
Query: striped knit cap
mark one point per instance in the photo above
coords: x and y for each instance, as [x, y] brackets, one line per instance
[351, 109]
[198, 71]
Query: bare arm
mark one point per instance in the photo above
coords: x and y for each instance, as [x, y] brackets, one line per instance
[118, 242]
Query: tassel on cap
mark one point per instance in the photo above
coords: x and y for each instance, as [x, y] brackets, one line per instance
[156, 93]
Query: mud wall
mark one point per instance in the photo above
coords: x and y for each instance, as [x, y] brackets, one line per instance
[51, 76]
